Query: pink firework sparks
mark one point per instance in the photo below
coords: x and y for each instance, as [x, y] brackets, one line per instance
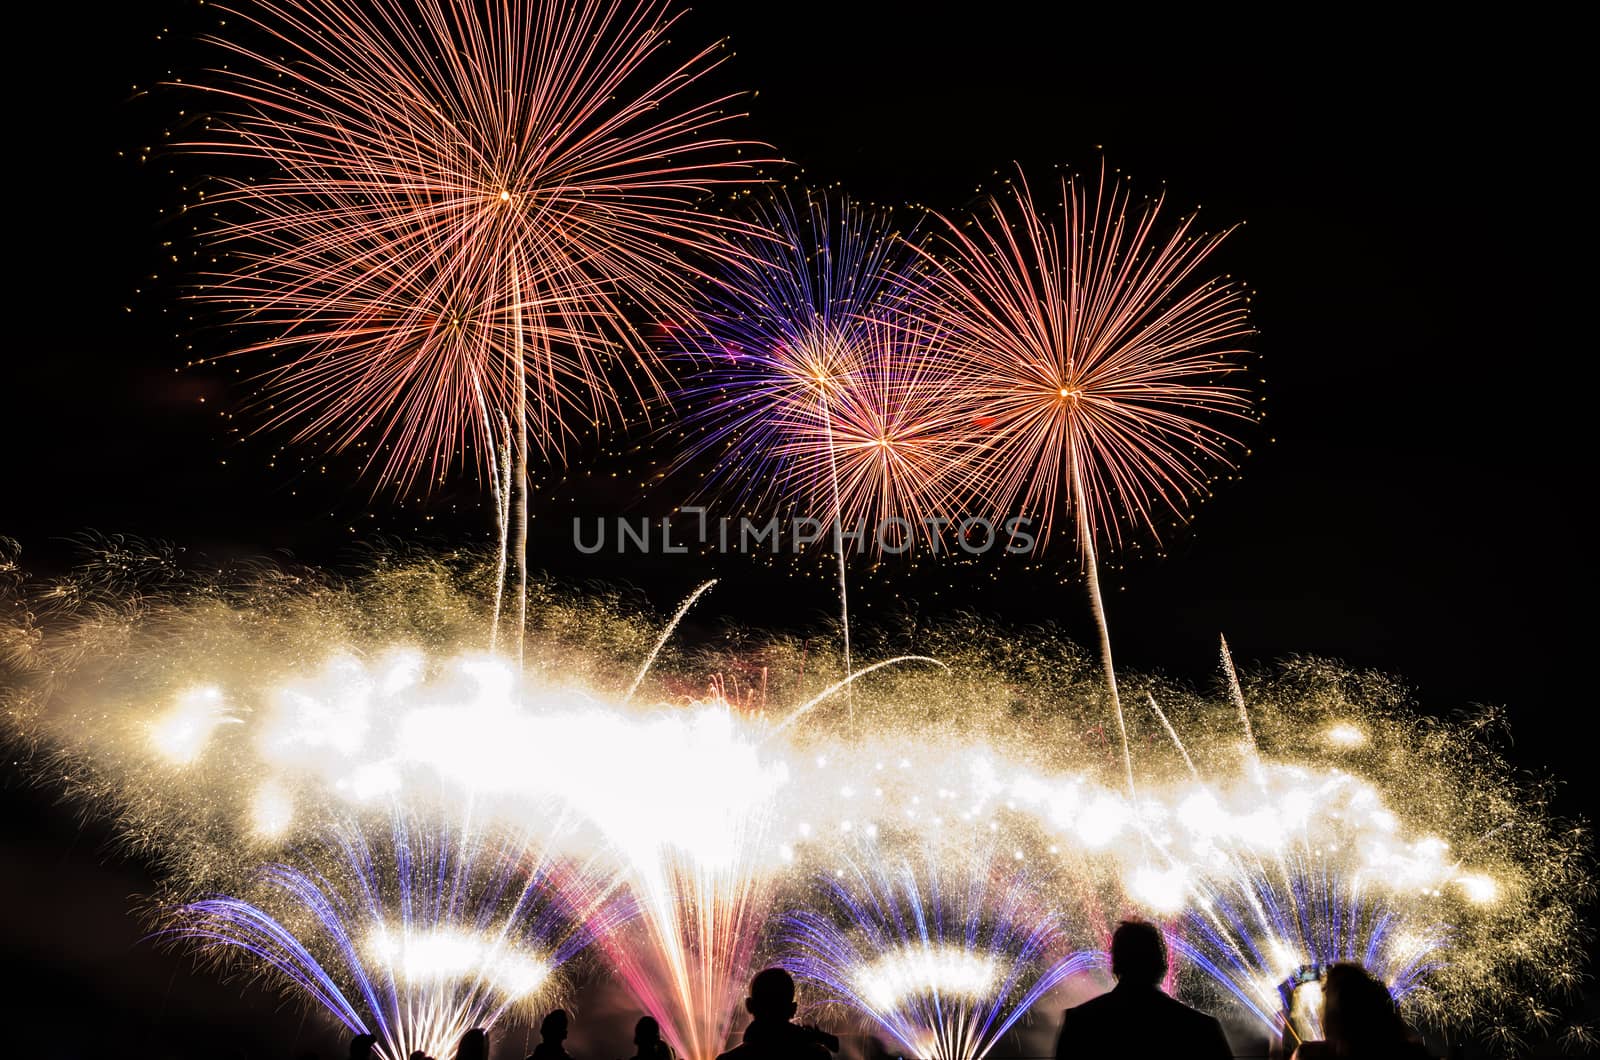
[462, 206]
[898, 440]
[815, 387]
[1096, 359]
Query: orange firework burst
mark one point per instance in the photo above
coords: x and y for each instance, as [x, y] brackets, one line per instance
[1095, 360]
[462, 202]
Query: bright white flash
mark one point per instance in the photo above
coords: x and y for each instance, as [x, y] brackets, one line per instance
[926, 970]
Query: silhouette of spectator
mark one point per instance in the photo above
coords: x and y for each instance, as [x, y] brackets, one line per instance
[771, 1035]
[474, 1045]
[647, 1042]
[552, 1032]
[362, 1045]
[418, 1054]
[1135, 1018]
[1359, 1019]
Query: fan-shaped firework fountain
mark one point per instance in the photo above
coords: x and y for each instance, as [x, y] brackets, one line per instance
[942, 949]
[416, 935]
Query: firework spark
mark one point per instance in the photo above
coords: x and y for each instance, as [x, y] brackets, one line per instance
[1095, 361]
[222, 726]
[416, 937]
[944, 954]
[466, 210]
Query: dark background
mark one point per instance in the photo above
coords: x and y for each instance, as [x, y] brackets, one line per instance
[1413, 196]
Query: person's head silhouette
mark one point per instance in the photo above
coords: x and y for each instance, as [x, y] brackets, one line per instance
[646, 1033]
[361, 1046]
[1138, 953]
[771, 996]
[554, 1027]
[1358, 1012]
[474, 1045]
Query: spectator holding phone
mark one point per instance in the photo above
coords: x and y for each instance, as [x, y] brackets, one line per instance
[1359, 1019]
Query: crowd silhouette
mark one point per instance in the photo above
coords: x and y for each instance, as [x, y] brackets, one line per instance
[1136, 1018]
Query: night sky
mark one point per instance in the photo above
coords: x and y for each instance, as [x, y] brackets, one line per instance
[1416, 224]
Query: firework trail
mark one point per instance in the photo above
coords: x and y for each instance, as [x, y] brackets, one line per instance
[666, 635]
[412, 934]
[1094, 356]
[943, 951]
[464, 211]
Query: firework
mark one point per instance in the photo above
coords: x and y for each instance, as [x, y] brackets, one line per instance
[1094, 359]
[942, 952]
[693, 834]
[800, 369]
[898, 447]
[222, 726]
[461, 208]
[809, 396]
[1297, 869]
[1344, 829]
[1097, 355]
[416, 938]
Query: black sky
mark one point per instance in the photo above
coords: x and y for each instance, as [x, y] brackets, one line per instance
[1418, 213]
